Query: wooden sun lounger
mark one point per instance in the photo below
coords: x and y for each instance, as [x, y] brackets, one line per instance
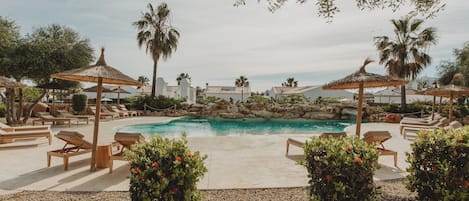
[378, 138]
[78, 146]
[130, 112]
[428, 124]
[126, 140]
[47, 117]
[300, 144]
[67, 114]
[121, 113]
[8, 136]
[102, 115]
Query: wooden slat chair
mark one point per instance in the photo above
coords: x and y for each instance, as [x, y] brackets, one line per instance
[113, 108]
[47, 117]
[74, 145]
[67, 114]
[102, 115]
[10, 134]
[131, 113]
[126, 140]
[378, 138]
[300, 144]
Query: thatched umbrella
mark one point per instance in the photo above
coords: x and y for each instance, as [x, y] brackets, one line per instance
[109, 89]
[362, 79]
[450, 91]
[99, 73]
[9, 83]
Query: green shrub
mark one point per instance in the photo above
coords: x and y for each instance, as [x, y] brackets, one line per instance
[258, 99]
[79, 102]
[207, 100]
[164, 169]
[439, 165]
[2, 110]
[294, 99]
[158, 102]
[341, 169]
[411, 108]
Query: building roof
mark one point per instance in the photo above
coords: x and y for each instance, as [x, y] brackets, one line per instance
[293, 90]
[227, 90]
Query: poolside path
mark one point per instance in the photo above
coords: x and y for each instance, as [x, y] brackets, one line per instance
[233, 161]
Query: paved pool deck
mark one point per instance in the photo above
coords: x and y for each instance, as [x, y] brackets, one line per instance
[255, 161]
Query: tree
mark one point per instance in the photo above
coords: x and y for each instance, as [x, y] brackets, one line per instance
[159, 37]
[405, 57]
[328, 8]
[47, 50]
[182, 76]
[448, 69]
[9, 38]
[242, 82]
[291, 82]
[143, 79]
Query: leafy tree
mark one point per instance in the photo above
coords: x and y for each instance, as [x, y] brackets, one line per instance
[143, 79]
[291, 82]
[448, 69]
[159, 37]
[404, 57]
[47, 50]
[328, 8]
[182, 76]
[9, 38]
[242, 82]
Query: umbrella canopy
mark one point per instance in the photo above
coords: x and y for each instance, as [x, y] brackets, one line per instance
[99, 73]
[107, 89]
[9, 83]
[450, 91]
[362, 79]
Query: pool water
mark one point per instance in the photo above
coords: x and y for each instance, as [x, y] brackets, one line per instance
[198, 126]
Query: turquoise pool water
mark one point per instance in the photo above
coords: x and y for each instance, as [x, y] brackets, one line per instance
[197, 126]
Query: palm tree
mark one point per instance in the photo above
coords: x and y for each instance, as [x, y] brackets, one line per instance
[242, 82]
[291, 82]
[405, 57]
[182, 76]
[159, 37]
[143, 79]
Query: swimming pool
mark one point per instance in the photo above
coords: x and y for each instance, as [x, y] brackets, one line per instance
[199, 126]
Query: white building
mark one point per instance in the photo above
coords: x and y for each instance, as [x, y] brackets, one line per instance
[311, 92]
[184, 90]
[228, 92]
[392, 95]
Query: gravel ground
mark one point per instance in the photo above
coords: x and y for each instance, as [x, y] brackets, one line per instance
[392, 191]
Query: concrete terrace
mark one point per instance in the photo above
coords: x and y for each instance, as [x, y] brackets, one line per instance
[233, 161]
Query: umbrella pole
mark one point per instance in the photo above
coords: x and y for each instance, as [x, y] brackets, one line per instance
[118, 95]
[433, 108]
[359, 109]
[451, 107]
[439, 105]
[96, 124]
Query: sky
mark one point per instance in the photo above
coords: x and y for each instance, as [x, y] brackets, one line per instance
[220, 42]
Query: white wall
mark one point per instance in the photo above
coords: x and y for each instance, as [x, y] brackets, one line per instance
[339, 94]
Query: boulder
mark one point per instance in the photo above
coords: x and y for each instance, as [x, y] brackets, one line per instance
[231, 115]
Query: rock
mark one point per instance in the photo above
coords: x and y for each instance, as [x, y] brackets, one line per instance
[319, 115]
[263, 114]
[289, 115]
[231, 115]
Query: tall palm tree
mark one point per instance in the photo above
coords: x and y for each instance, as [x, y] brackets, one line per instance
[404, 57]
[157, 34]
[242, 82]
[291, 82]
[143, 79]
[182, 76]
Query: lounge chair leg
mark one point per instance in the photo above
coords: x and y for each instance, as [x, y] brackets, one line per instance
[288, 146]
[111, 163]
[48, 159]
[65, 162]
[395, 159]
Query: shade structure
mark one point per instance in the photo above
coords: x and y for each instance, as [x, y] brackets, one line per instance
[109, 89]
[99, 73]
[9, 83]
[360, 80]
[450, 91]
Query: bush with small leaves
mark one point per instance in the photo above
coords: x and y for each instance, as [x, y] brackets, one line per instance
[341, 169]
[439, 165]
[79, 102]
[165, 169]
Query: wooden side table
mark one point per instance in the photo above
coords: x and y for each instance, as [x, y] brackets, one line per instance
[103, 152]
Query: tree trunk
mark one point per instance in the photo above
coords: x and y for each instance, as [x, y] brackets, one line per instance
[30, 108]
[19, 113]
[403, 99]
[153, 86]
[12, 106]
